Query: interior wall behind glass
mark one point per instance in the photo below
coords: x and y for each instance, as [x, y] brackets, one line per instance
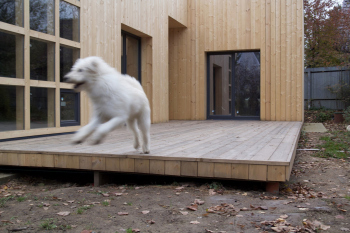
[11, 108]
[11, 55]
[68, 57]
[42, 107]
[42, 60]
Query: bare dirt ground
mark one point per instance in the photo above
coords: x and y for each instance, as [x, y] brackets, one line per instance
[316, 199]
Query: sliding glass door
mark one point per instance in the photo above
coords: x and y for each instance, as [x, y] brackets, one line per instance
[233, 81]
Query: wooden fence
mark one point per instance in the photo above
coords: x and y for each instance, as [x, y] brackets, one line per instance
[316, 83]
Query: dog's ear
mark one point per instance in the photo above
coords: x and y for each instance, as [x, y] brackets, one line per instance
[94, 67]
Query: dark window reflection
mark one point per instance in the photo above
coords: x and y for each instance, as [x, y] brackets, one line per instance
[68, 56]
[70, 105]
[11, 55]
[69, 21]
[11, 108]
[42, 63]
[42, 16]
[247, 84]
[11, 11]
[42, 107]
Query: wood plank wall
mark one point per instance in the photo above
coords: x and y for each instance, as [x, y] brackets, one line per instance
[101, 25]
[274, 27]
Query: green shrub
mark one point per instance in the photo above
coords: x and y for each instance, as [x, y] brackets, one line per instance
[323, 116]
[347, 115]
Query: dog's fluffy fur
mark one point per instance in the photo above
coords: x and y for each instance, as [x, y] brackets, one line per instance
[116, 99]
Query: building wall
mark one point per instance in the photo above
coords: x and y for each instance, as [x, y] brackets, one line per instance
[102, 22]
[274, 27]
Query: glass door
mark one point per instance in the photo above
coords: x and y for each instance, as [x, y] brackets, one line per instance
[233, 85]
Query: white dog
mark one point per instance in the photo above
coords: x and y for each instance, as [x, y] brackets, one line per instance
[116, 99]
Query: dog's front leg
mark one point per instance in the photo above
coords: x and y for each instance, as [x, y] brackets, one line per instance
[85, 131]
[105, 128]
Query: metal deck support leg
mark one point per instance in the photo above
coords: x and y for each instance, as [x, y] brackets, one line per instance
[99, 179]
[273, 187]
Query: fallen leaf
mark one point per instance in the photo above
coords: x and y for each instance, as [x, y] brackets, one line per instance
[136, 230]
[212, 192]
[150, 221]
[193, 207]
[244, 194]
[45, 208]
[284, 216]
[339, 216]
[70, 201]
[86, 231]
[105, 194]
[65, 203]
[194, 222]
[63, 213]
[46, 204]
[184, 212]
[145, 212]
[118, 194]
[344, 229]
[7, 221]
[198, 201]
[123, 213]
[207, 230]
[180, 188]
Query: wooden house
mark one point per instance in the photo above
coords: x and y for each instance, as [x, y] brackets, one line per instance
[196, 60]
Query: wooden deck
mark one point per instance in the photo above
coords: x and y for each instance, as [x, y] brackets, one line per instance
[248, 150]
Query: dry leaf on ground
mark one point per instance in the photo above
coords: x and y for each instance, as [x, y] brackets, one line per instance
[63, 213]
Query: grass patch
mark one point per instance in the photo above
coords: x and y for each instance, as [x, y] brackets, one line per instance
[105, 203]
[129, 230]
[4, 200]
[83, 208]
[335, 146]
[216, 186]
[22, 198]
[347, 197]
[48, 224]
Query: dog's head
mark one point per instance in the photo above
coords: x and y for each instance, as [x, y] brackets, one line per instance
[84, 73]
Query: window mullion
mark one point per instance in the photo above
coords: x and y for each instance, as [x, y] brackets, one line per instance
[26, 66]
[57, 65]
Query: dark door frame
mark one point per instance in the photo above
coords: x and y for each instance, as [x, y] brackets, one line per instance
[232, 116]
[123, 61]
[76, 121]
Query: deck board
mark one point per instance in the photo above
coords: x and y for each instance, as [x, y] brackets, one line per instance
[251, 150]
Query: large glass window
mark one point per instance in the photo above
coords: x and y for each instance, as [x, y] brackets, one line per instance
[11, 108]
[70, 105]
[42, 16]
[68, 56]
[11, 55]
[42, 60]
[11, 11]
[45, 103]
[131, 55]
[42, 107]
[233, 85]
[69, 21]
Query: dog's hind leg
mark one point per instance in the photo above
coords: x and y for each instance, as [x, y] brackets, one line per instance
[144, 123]
[105, 128]
[132, 124]
[85, 131]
